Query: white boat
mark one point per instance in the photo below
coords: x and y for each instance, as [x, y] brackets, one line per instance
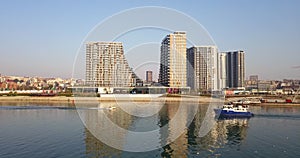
[111, 108]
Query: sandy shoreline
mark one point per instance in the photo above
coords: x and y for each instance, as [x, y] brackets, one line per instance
[72, 100]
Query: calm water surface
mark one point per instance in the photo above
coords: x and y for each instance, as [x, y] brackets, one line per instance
[53, 131]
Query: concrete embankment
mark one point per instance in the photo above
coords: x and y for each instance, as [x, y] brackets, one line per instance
[60, 99]
[72, 100]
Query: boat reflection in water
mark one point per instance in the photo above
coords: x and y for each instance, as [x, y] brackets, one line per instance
[226, 132]
[232, 131]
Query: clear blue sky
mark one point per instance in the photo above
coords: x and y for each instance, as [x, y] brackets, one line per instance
[41, 38]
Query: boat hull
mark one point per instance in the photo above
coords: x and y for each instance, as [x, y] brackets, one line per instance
[233, 114]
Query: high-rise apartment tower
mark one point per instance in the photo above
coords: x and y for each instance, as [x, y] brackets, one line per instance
[173, 68]
[106, 65]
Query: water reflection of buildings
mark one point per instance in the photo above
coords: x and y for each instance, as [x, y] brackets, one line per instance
[176, 130]
[96, 127]
[96, 148]
[187, 141]
[225, 132]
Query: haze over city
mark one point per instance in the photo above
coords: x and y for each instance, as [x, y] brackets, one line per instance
[42, 38]
[149, 78]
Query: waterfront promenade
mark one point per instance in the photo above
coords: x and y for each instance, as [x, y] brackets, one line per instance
[63, 99]
[73, 100]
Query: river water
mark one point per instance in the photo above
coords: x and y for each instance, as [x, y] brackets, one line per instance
[33, 130]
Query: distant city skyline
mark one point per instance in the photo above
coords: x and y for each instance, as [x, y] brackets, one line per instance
[42, 38]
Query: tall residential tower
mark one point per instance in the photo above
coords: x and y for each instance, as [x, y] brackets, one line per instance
[173, 69]
[222, 70]
[235, 69]
[202, 68]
